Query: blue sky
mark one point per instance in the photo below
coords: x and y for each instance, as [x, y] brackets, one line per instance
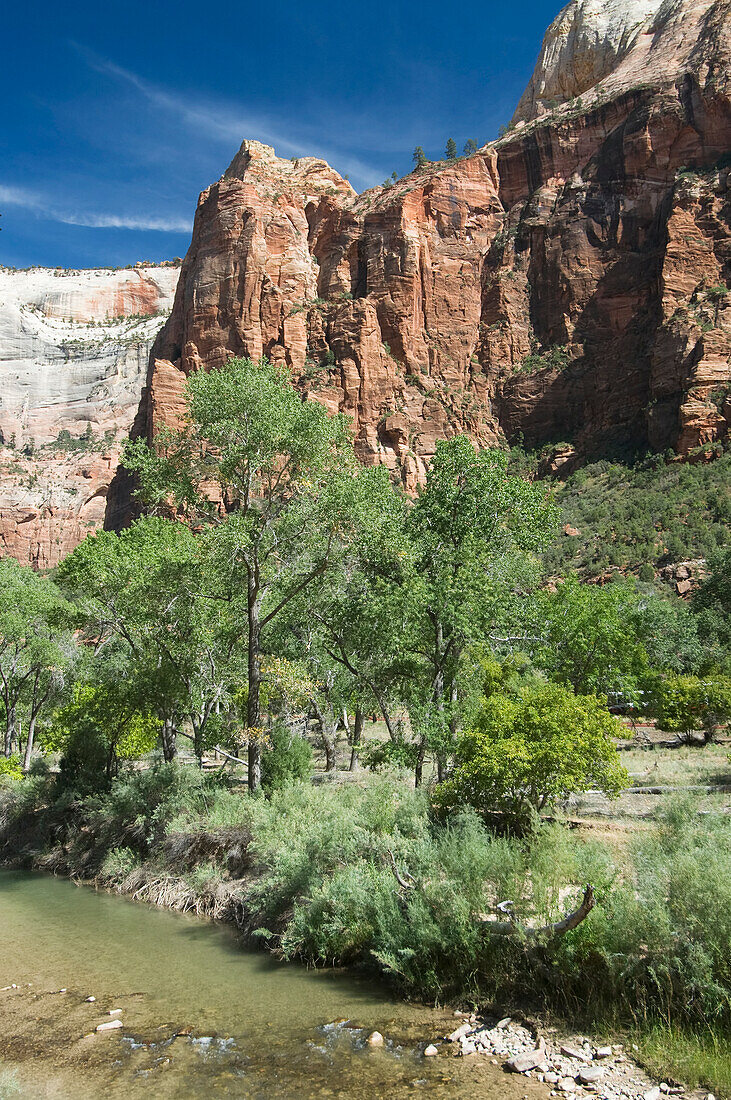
[115, 116]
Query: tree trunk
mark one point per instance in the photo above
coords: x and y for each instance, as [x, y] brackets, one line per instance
[357, 738]
[29, 744]
[253, 708]
[419, 769]
[169, 746]
[328, 733]
[10, 732]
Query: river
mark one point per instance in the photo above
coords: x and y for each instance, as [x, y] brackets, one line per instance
[251, 1026]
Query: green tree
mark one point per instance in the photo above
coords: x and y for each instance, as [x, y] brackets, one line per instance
[686, 704]
[529, 749]
[712, 605]
[419, 157]
[37, 651]
[450, 151]
[470, 147]
[153, 591]
[475, 533]
[101, 726]
[588, 637]
[285, 469]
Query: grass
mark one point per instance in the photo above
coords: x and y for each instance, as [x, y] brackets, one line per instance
[695, 1058]
[681, 767]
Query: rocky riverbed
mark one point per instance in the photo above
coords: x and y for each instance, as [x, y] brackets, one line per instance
[568, 1065]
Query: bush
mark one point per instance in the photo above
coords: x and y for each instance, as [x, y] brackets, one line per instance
[10, 768]
[527, 750]
[686, 703]
[288, 760]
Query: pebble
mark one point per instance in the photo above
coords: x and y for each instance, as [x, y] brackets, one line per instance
[567, 1084]
[459, 1033]
[89, 1000]
[603, 1052]
[430, 1051]
[590, 1075]
[652, 1094]
[375, 1039]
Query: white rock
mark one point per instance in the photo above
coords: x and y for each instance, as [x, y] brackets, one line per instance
[652, 1094]
[375, 1039]
[603, 1052]
[430, 1051]
[567, 1084]
[89, 1000]
[584, 44]
[110, 1025]
[115, 1011]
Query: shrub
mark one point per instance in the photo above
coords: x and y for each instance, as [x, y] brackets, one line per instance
[687, 703]
[118, 864]
[527, 750]
[10, 768]
[288, 760]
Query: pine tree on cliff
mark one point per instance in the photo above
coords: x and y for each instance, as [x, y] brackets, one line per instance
[451, 150]
[470, 147]
[419, 157]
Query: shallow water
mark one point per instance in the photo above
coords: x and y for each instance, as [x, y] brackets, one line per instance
[252, 1027]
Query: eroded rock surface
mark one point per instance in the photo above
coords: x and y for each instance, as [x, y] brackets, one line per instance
[74, 347]
[566, 283]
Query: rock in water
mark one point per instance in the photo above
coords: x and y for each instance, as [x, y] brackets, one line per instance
[375, 1039]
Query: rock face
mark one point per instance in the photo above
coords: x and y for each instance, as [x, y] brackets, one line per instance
[584, 44]
[564, 284]
[74, 347]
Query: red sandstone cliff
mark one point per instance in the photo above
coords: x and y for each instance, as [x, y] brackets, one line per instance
[564, 283]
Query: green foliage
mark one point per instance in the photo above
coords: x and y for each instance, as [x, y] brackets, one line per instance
[687, 703]
[287, 760]
[470, 147]
[647, 512]
[10, 768]
[554, 358]
[419, 157]
[713, 601]
[37, 649]
[100, 727]
[450, 151]
[590, 637]
[118, 864]
[526, 751]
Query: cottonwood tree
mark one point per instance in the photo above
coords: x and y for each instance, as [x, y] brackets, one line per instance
[475, 531]
[591, 636]
[148, 593]
[37, 651]
[270, 477]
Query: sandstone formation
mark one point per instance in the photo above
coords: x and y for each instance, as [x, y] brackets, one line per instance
[564, 285]
[74, 348]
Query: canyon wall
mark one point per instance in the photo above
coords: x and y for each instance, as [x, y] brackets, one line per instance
[74, 350]
[564, 284]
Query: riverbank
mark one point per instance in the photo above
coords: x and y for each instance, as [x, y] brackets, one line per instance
[313, 874]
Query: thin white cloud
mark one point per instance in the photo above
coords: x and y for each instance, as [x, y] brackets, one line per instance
[228, 124]
[43, 207]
